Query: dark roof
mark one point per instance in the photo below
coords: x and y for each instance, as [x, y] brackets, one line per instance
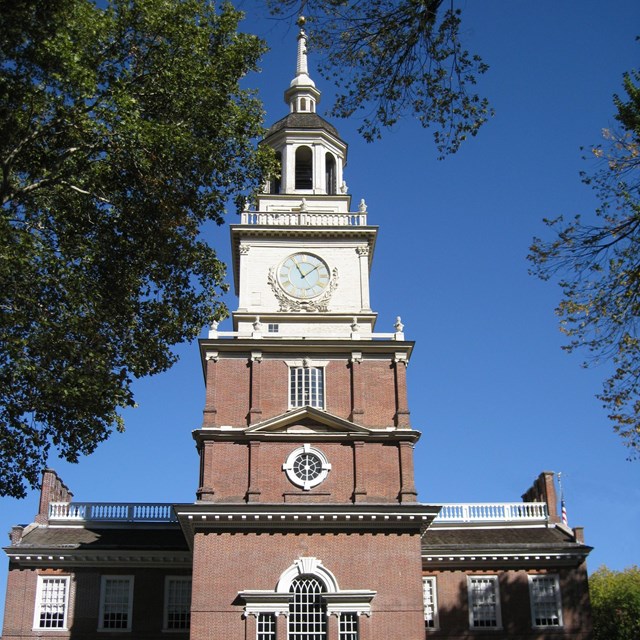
[302, 121]
[500, 536]
[131, 538]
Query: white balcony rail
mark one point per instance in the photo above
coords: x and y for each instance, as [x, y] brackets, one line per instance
[493, 512]
[159, 512]
[214, 334]
[304, 218]
[112, 512]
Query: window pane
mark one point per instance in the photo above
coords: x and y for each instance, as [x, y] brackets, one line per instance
[52, 603]
[429, 599]
[266, 626]
[484, 602]
[307, 612]
[116, 610]
[178, 614]
[306, 387]
[545, 601]
[348, 626]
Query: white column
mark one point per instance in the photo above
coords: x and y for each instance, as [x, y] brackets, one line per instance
[363, 255]
[289, 168]
[243, 293]
[319, 152]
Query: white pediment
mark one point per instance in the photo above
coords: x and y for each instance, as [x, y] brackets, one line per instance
[307, 420]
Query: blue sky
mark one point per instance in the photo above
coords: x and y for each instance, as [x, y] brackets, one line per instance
[495, 397]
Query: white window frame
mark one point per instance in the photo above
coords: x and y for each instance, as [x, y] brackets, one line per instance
[347, 620]
[266, 626]
[103, 583]
[289, 467]
[168, 581]
[473, 623]
[307, 364]
[537, 601]
[430, 602]
[40, 605]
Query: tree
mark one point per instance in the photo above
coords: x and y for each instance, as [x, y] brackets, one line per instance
[599, 267]
[615, 603]
[393, 57]
[122, 131]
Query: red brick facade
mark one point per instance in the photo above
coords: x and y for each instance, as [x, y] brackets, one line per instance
[241, 390]
[230, 563]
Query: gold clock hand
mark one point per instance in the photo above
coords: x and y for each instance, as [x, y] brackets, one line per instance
[297, 266]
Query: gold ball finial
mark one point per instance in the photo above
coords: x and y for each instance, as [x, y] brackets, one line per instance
[300, 22]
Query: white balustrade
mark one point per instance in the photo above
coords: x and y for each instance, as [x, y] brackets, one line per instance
[492, 512]
[159, 512]
[112, 512]
[304, 219]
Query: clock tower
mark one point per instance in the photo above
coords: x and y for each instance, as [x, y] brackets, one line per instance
[306, 524]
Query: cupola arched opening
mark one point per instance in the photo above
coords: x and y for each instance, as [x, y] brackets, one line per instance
[304, 168]
[276, 180]
[330, 174]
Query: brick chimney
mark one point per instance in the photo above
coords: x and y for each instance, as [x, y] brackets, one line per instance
[544, 490]
[51, 490]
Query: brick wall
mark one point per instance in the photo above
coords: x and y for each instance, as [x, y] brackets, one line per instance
[229, 389]
[84, 603]
[227, 563]
[226, 472]
[453, 605]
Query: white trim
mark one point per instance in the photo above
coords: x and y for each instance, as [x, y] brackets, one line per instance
[66, 580]
[433, 593]
[493, 580]
[103, 582]
[306, 362]
[165, 612]
[558, 600]
[289, 467]
[307, 565]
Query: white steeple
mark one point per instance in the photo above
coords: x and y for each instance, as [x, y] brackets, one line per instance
[302, 95]
[301, 257]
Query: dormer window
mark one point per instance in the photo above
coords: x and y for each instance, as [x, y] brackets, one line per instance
[304, 168]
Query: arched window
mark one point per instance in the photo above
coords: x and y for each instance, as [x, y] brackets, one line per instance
[307, 611]
[276, 181]
[330, 174]
[304, 168]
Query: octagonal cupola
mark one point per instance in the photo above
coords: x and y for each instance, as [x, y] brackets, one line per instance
[310, 152]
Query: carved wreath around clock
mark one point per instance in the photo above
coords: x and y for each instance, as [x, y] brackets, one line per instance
[302, 282]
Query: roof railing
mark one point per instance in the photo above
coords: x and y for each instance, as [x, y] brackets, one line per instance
[492, 512]
[304, 218]
[162, 512]
[112, 512]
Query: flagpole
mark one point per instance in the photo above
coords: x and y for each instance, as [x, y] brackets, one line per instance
[563, 508]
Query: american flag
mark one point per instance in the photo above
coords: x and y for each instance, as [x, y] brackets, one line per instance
[563, 510]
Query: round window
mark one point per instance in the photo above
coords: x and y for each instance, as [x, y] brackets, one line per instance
[306, 466]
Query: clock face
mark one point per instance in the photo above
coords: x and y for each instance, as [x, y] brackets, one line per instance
[303, 275]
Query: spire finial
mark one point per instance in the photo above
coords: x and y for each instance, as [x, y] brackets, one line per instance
[302, 68]
[302, 94]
